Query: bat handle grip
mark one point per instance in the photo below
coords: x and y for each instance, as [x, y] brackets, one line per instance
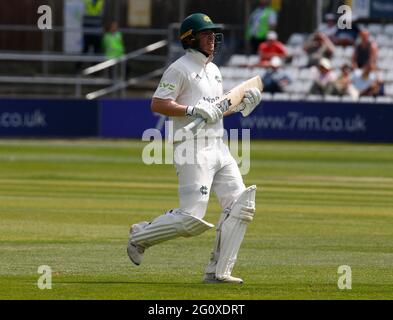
[193, 124]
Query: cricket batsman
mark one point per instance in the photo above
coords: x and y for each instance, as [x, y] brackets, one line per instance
[188, 90]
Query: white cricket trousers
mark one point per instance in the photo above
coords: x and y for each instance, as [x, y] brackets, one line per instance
[209, 167]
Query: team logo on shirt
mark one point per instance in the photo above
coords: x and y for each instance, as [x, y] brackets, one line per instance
[197, 77]
[203, 190]
[218, 79]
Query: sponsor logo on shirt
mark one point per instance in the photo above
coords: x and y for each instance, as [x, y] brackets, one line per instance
[210, 99]
[167, 85]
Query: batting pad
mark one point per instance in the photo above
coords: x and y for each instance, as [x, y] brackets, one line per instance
[232, 231]
[172, 224]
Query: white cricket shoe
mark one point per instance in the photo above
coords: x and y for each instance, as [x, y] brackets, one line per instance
[135, 252]
[211, 278]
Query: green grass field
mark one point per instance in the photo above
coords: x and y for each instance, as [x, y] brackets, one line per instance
[69, 205]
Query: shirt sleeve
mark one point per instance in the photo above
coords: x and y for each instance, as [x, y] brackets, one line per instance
[281, 48]
[262, 48]
[170, 85]
[273, 19]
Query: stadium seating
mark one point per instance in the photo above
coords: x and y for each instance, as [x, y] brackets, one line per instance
[267, 96]
[281, 96]
[313, 97]
[330, 98]
[347, 99]
[366, 99]
[297, 39]
[296, 97]
[384, 99]
[375, 28]
[242, 67]
[388, 30]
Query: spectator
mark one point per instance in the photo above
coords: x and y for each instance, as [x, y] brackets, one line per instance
[365, 53]
[325, 80]
[270, 48]
[275, 79]
[112, 43]
[93, 18]
[330, 28]
[261, 20]
[318, 46]
[367, 82]
[347, 36]
[343, 84]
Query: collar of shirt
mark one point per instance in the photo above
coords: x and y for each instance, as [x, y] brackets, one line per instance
[199, 57]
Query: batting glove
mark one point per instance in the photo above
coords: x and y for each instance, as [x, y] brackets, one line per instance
[206, 110]
[252, 97]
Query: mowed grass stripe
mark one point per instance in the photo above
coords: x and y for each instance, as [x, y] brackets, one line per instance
[329, 191]
[47, 193]
[47, 158]
[354, 184]
[331, 182]
[326, 199]
[73, 144]
[331, 209]
[269, 195]
[86, 183]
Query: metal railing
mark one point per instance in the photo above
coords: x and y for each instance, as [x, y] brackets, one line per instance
[45, 78]
[48, 55]
[123, 59]
[121, 84]
[118, 83]
[79, 80]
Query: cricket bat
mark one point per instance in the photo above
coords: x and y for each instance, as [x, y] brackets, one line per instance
[229, 101]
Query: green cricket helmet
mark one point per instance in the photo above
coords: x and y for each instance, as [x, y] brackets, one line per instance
[195, 23]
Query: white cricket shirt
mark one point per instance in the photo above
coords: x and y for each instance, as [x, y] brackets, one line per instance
[187, 80]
